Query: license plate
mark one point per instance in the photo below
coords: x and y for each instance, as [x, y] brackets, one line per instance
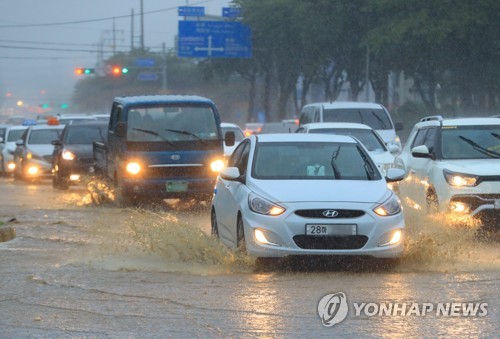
[497, 204]
[331, 229]
[177, 186]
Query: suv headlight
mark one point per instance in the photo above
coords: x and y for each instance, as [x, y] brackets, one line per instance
[390, 207]
[460, 179]
[262, 206]
[68, 155]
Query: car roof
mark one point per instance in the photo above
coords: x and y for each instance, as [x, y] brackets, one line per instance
[302, 137]
[14, 127]
[42, 127]
[158, 99]
[88, 123]
[348, 104]
[229, 124]
[341, 125]
[471, 121]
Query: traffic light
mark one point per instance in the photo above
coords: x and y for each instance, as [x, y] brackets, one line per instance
[119, 70]
[82, 71]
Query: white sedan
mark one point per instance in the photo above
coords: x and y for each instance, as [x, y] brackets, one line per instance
[307, 194]
[382, 156]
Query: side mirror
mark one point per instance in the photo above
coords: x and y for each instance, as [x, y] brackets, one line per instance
[56, 142]
[19, 142]
[395, 174]
[121, 129]
[230, 173]
[421, 152]
[229, 138]
[398, 126]
[393, 149]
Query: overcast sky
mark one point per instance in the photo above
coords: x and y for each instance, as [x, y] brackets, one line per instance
[34, 74]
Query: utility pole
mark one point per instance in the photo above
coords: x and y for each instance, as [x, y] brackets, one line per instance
[114, 37]
[132, 30]
[142, 26]
[164, 53]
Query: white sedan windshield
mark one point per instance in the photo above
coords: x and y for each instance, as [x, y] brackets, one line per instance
[312, 160]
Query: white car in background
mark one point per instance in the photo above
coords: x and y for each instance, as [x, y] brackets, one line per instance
[11, 135]
[33, 153]
[453, 165]
[238, 136]
[306, 194]
[381, 155]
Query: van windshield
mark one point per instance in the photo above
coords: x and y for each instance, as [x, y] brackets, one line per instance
[171, 123]
[376, 118]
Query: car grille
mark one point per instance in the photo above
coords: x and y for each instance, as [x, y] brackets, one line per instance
[86, 160]
[178, 172]
[318, 213]
[350, 242]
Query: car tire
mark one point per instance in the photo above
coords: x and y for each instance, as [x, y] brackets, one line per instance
[431, 201]
[59, 182]
[122, 198]
[240, 234]
[213, 222]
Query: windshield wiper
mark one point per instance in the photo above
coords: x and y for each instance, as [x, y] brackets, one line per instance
[382, 122]
[185, 133]
[480, 148]
[368, 168]
[336, 171]
[496, 135]
[156, 134]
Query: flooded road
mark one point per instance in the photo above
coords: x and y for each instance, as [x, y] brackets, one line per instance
[80, 270]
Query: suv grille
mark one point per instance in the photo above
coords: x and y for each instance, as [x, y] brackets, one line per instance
[178, 172]
[318, 213]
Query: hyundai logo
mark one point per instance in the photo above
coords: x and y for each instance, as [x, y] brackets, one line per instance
[330, 213]
[175, 157]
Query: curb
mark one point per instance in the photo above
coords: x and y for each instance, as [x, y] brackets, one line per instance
[7, 233]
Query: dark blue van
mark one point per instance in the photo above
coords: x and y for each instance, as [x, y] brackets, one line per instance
[162, 146]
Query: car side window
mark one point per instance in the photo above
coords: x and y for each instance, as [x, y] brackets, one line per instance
[116, 114]
[316, 115]
[235, 157]
[431, 138]
[419, 138]
[243, 162]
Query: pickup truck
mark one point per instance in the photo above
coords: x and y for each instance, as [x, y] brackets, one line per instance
[162, 146]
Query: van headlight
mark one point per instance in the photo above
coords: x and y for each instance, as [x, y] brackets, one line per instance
[133, 167]
[68, 155]
[390, 207]
[262, 206]
[217, 165]
[460, 179]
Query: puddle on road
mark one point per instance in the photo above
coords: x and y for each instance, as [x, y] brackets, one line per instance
[138, 239]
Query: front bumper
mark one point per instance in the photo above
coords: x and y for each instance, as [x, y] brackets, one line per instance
[169, 188]
[287, 233]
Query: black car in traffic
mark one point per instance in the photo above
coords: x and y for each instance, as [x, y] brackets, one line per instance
[73, 154]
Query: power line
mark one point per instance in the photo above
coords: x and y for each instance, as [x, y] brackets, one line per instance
[43, 58]
[52, 49]
[95, 20]
[52, 43]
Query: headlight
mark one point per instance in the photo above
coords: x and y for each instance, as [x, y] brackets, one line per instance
[68, 155]
[263, 206]
[217, 165]
[29, 155]
[460, 179]
[391, 206]
[133, 168]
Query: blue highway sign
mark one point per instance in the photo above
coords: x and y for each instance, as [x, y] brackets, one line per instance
[214, 39]
[231, 12]
[191, 11]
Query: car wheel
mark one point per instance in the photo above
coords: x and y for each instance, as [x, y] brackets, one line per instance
[432, 202]
[59, 182]
[122, 198]
[215, 227]
[240, 234]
